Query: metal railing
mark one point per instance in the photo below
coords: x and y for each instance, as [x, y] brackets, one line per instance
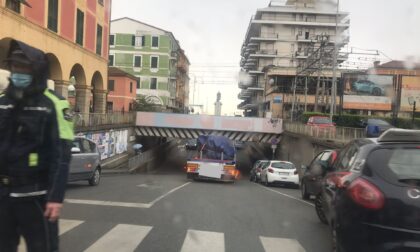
[337, 134]
[92, 120]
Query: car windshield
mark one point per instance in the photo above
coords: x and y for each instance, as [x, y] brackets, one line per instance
[322, 120]
[283, 165]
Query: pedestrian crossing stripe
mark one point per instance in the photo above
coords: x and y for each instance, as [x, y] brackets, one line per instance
[126, 238]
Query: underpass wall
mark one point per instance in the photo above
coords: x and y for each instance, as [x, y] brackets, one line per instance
[115, 144]
[300, 150]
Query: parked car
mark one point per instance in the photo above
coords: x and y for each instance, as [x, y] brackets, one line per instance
[86, 162]
[255, 173]
[375, 127]
[368, 87]
[313, 174]
[191, 144]
[321, 124]
[371, 199]
[280, 172]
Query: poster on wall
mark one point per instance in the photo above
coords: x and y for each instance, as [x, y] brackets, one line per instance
[410, 91]
[109, 143]
[368, 92]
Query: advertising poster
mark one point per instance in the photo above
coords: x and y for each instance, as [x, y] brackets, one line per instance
[110, 143]
[368, 92]
[410, 91]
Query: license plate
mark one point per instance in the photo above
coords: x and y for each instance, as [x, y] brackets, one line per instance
[283, 173]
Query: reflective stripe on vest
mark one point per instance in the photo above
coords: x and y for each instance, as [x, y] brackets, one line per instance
[65, 124]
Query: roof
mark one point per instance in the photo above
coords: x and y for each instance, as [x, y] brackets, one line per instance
[134, 20]
[397, 64]
[114, 72]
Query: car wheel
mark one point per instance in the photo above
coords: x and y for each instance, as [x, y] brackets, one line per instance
[305, 194]
[319, 209]
[376, 92]
[96, 177]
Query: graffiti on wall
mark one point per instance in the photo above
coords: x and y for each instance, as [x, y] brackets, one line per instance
[109, 143]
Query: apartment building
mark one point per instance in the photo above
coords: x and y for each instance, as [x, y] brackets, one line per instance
[152, 55]
[73, 34]
[279, 39]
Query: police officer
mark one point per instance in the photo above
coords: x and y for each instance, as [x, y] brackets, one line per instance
[32, 178]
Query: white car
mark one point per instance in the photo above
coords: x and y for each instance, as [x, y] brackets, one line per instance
[280, 172]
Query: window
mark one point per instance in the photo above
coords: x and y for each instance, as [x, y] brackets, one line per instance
[111, 85]
[111, 60]
[347, 158]
[111, 39]
[139, 41]
[76, 144]
[87, 147]
[109, 106]
[153, 83]
[137, 61]
[143, 40]
[138, 83]
[14, 5]
[52, 15]
[80, 27]
[154, 62]
[131, 87]
[99, 40]
[155, 42]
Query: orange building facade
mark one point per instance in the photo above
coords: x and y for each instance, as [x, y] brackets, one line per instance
[74, 35]
[122, 88]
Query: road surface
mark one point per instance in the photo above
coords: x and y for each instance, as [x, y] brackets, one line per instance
[166, 212]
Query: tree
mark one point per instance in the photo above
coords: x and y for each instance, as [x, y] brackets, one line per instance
[145, 106]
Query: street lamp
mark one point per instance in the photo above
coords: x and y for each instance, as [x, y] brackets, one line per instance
[413, 103]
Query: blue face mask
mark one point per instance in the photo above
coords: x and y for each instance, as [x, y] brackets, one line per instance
[21, 80]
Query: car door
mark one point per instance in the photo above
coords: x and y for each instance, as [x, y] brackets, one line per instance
[331, 183]
[77, 161]
[264, 166]
[90, 158]
[311, 174]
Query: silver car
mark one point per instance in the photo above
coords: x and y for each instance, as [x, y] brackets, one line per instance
[86, 162]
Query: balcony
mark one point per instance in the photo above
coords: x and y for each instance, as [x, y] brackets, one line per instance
[264, 53]
[266, 37]
[174, 56]
[255, 72]
[302, 55]
[343, 24]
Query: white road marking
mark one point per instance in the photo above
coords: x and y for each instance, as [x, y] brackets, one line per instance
[122, 238]
[203, 241]
[64, 227]
[108, 203]
[281, 245]
[169, 193]
[288, 196]
[124, 204]
[143, 185]
[67, 225]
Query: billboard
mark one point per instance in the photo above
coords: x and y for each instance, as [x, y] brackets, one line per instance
[109, 143]
[368, 92]
[410, 90]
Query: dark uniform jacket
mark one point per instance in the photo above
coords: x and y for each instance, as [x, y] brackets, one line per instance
[29, 136]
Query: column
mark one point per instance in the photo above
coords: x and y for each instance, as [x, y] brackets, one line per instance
[83, 94]
[99, 101]
[61, 87]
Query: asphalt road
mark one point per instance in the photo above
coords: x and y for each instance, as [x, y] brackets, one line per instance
[165, 212]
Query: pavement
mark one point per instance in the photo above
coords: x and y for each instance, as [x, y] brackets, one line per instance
[166, 212]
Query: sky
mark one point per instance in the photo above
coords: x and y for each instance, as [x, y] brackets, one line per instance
[212, 33]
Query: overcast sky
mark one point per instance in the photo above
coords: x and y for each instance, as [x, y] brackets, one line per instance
[212, 32]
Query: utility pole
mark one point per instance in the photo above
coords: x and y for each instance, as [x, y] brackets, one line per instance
[334, 84]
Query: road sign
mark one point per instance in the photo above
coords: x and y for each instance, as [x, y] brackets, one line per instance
[274, 141]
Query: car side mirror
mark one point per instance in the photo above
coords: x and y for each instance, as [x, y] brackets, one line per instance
[75, 150]
[304, 168]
